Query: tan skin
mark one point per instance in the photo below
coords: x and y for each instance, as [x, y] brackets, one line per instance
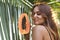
[39, 32]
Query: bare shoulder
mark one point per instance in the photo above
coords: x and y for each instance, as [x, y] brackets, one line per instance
[40, 33]
[39, 28]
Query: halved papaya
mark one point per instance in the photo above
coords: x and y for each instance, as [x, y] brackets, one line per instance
[24, 24]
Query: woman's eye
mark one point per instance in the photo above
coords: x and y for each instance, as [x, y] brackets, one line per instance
[38, 14]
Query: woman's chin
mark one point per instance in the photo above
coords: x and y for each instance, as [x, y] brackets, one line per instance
[37, 23]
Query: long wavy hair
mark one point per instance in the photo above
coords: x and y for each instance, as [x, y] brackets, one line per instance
[47, 14]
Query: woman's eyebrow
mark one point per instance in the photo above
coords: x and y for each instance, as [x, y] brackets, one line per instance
[36, 11]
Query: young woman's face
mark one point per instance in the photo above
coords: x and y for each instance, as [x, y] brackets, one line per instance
[37, 17]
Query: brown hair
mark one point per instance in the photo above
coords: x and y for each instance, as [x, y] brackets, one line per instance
[46, 12]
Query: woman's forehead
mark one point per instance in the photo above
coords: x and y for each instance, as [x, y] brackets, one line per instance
[36, 9]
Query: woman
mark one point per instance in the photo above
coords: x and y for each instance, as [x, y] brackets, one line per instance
[45, 28]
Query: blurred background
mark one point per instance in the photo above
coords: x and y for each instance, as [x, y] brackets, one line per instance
[10, 11]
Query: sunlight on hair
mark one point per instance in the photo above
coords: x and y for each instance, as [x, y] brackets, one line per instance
[54, 15]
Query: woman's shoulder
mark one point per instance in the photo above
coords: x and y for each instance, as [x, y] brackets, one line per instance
[39, 27]
[42, 31]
